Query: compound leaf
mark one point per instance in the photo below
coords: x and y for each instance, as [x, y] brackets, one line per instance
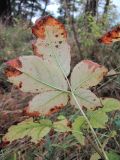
[29, 128]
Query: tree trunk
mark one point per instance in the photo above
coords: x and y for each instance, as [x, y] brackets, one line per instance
[91, 7]
[106, 6]
[5, 9]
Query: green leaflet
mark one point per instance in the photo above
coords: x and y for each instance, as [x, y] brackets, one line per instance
[29, 128]
[113, 156]
[98, 118]
[110, 104]
[76, 129]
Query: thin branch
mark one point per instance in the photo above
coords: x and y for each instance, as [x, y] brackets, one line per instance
[44, 10]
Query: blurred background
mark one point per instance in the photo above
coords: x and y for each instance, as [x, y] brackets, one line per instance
[85, 21]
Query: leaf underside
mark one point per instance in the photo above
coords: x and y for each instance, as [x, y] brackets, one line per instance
[51, 43]
[84, 75]
[39, 76]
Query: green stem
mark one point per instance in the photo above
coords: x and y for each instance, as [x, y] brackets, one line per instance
[87, 120]
[93, 132]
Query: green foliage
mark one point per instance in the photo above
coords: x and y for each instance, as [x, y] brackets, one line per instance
[110, 104]
[77, 126]
[98, 119]
[113, 156]
[14, 40]
[12, 156]
[29, 128]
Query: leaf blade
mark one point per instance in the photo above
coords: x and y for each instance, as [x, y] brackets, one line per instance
[87, 74]
[76, 129]
[86, 99]
[26, 128]
[51, 42]
[36, 75]
[47, 103]
[110, 104]
[98, 119]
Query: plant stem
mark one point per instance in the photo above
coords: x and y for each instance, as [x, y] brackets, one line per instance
[87, 120]
[93, 132]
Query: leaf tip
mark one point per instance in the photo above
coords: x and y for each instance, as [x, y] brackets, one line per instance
[11, 67]
[39, 28]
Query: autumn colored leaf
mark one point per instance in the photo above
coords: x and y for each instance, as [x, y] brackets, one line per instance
[27, 128]
[51, 43]
[47, 103]
[44, 73]
[84, 75]
[35, 75]
[87, 74]
[86, 99]
[111, 36]
[39, 76]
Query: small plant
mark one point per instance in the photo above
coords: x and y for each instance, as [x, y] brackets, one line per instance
[46, 74]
